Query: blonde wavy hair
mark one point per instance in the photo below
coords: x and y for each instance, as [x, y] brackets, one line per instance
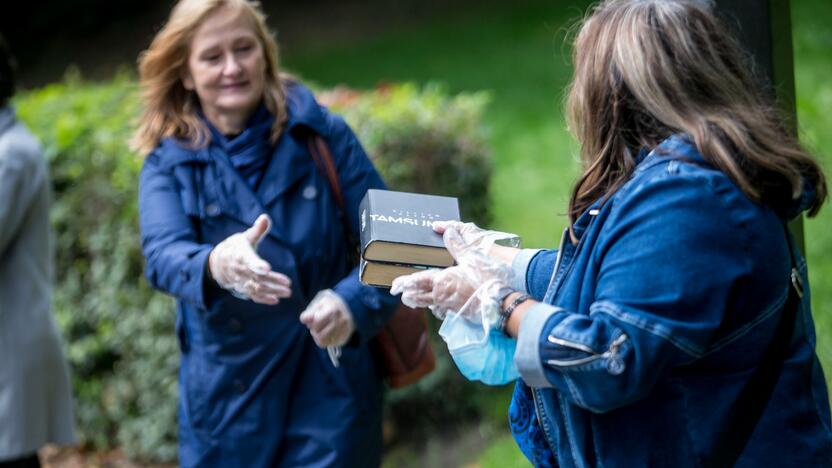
[169, 109]
[646, 69]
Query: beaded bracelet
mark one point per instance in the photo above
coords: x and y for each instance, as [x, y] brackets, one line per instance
[506, 313]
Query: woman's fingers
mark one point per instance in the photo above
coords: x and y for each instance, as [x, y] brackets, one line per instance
[337, 331]
[445, 288]
[262, 293]
[418, 298]
[252, 275]
[275, 283]
[454, 242]
[416, 289]
[258, 230]
[441, 226]
[422, 280]
[254, 262]
[264, 299]
[276, 278]
[317, 318]
[328, 319]
[325, 335]
[271, 289]
[453, 287]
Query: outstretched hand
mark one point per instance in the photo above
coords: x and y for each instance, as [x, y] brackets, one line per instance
[235, 266]
[469, 289]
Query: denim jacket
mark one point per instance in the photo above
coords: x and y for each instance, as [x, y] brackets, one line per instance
[650, 325]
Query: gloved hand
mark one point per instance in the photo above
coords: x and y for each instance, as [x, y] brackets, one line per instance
[417, 288]
[472, 289]
[476, 237]
[235, 266]
[329, 319]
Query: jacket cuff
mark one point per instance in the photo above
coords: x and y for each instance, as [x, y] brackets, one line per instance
[194, 274]
[520, 268]
[527, 355]
[211, 290]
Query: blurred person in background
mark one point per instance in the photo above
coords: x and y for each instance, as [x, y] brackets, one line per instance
[35, 393]
[242, 229]
[673, 325]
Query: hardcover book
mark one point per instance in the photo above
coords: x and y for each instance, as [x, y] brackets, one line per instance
[397, 227]
[382, 274]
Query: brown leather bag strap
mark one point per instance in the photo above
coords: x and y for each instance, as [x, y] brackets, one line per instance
[319, 150]
[402, 344]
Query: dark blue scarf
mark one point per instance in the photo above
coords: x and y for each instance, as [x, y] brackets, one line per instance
[249, 152]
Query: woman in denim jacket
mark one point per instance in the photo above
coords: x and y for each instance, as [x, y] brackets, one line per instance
[638, 337]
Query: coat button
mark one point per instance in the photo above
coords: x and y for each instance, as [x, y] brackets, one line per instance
[185, 274]
[239, 386]
[235, 325]
[310, 192]
[212, 209]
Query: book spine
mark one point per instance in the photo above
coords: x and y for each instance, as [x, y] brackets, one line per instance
[366, 233]
[362, 266]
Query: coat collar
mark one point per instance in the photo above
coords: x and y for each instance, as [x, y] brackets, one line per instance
[303, 110]
[174, 152]
[682, 147]
[290, 162]
[304, 114]
[677, 146]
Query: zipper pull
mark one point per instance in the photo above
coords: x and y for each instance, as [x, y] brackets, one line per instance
[615, 365]
[797, 283]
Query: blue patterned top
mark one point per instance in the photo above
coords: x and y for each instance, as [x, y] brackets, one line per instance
[525, 429]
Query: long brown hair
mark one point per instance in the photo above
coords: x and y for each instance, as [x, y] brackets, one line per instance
[169, 109]
[646, 69]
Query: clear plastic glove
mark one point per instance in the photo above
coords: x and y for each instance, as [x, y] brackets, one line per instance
[416, 288]
[477, 237]
[235, 266]
[473, 289]
[329, 319]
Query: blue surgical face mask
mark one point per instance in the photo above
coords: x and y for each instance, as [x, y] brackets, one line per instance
[479, 352]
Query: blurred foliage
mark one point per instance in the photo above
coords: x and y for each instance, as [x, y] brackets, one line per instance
[423, 140]
[119, 337]
[119, 333]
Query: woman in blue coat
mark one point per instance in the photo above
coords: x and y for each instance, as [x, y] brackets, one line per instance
[239, 225]
[672, 327]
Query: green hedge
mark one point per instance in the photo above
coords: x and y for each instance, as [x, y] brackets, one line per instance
[423, 140]
[119, 333]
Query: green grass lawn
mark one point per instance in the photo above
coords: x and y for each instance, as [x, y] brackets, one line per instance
[518, 53]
